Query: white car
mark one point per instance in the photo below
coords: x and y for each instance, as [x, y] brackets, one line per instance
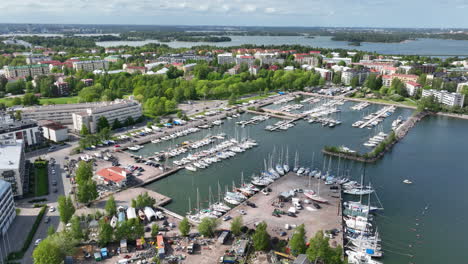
[52, 209]
[37, 242]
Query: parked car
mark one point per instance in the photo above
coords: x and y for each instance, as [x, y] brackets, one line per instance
[37, 242]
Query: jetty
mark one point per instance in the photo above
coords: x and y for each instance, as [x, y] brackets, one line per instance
[377, 115]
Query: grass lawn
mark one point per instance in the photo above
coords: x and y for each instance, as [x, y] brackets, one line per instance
[407, 102]
[258, 97]
[45, 101]
[41, 180]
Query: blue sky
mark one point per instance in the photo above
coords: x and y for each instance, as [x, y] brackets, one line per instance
[367, 13]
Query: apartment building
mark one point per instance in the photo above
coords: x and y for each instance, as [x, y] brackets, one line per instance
[37, 58]
[118, 109]
[12, 164]
[7, 207]
[27, 130]
[349, 74]
[445, 97]
[54, 131]
[247, 59]
[63, 89]
[336, 60]
[388, 79]
[26, 70]
[324, 73]
[307, 59]
[61, 113]
[412, 87]
[226, 58]
[91, 65]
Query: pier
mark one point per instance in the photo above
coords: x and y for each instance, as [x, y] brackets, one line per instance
[378, 115]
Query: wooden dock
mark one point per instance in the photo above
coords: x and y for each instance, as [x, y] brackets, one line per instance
[379, 114]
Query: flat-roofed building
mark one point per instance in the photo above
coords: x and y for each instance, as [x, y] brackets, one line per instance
[445, 97]
[54, 131]
[7, 207]
[91, 65]
[118, 109]
[26, 70]
[25, 129]
[12, 164]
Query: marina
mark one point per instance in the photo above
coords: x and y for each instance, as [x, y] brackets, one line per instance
[203, 182]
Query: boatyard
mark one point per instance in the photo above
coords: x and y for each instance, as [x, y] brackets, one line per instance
[273, 208]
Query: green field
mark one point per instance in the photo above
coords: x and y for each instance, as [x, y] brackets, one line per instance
[41, 178]
[45, 101]
[406, 102]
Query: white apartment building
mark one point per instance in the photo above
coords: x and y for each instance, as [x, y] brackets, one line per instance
[444, 97]
[324, 73]
[7, 207]
[349, 74]
[55, 132]
[26, 70]
[91, 65]
[119, 109]
[61, 113]
[337, 60]
[226, 58]
[27, 130]
[12, 164]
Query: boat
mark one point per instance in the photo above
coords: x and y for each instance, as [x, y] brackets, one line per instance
[220, 207]
[360, 258]
[407, 181]
[190, 168]
[300, 170]
[230, 200]
[280, 169]
[135, 148]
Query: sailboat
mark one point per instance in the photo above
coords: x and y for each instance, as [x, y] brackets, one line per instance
[286, 164]
[296, 162]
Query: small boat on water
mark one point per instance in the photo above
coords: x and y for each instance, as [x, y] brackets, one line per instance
[407, 181]
[190, 168]
[135, 148]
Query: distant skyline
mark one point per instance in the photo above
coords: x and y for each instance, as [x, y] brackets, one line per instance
[307, 13]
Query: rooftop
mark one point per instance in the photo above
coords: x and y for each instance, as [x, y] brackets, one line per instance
[10, 155]
[114, 174]
[4, 186]
[26, 66]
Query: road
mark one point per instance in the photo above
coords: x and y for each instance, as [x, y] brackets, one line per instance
[28, 213]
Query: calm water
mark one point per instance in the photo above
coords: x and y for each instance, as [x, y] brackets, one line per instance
[432, 47]
[433, 156]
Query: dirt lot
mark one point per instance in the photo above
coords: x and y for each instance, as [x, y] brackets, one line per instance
[325, 218]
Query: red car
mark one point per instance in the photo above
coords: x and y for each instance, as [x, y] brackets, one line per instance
[117, 146]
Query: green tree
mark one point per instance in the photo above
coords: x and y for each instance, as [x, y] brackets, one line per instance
[319, 249]
[261, 238]
[298, 241]
[75, 229]
[30, 99]
[116, 124]
[111, 206]
[84, 172]
[47, 252]
[184, 227]
[232, 100]
[84, 130]
[105, 233]
[66, 208]
[208, 226]
[322, 81]
[354, 82]
[136, 228]
[155, 230]
[236, 225]
[102, 123]
[143, 200]
[87, 192]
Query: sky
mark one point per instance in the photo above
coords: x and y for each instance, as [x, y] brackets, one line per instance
[333, 13]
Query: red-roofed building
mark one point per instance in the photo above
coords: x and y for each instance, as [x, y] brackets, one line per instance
[412, 87]
[387, 79]
[134, 69]
[113, 175]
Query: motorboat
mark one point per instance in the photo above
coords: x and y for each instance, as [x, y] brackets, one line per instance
[360, 258]
[190, 168]
[407, 181]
